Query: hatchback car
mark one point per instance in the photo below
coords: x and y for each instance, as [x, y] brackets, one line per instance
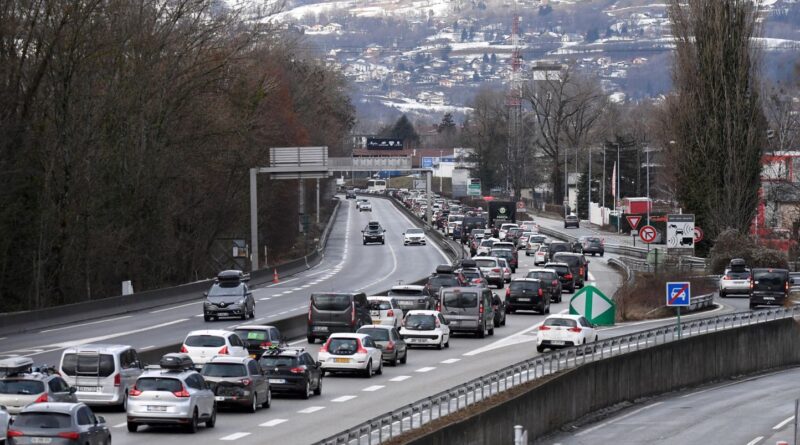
[565, 275]
[237, 381]
[593, 245]
[550, 281]
[202, 346]
[444, 276]
[351, 353]
[58, 423]
[414, 236]
[492, 269]
[528, 294]
[21, 386]
[426, 328]
[542, 255]
[571, 221]
[410, 297]
[102, 374]
[563, 331]
[385, 311]
[176, 395]
[364, 206]
[292, 371]
[577, 263]
[259, 338]
[509, 255]
[229, 296]
[486, 246]
[389, 341]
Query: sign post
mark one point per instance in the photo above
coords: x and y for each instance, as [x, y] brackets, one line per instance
[474, 187]
[679, 294]
[594, 305]
[633, 222]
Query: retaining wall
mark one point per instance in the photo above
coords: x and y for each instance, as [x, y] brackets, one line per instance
[546, 406]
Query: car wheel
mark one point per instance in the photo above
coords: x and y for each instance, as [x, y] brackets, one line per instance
[379, 371]
[253, 312]
[318, 389]
[244, 315]
[441, 344]
[722, 294]
[596, 338]
[547, 309]
[405, 355]
[540, 349]
[365, 243]
[572, 289]
[394, 360]
[213, 420]
[132, 427]
[481, 332]
[124, 404]
[368, 371]
[191, 428]
[491, 331]
[267, 403]
[306, 391]
[206, 318]
[310, 340]
[752, 306]
[503, 323]
[254, 405]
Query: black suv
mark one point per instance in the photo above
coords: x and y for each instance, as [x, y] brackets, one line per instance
[528, 294]
[577, 265]
[559, 247]
[565, 275]
[444, 277]
[229, 296]
[769, 287]
[336, 312]
[292, 370]
[550, 280]
[350, 194]
[373, 233]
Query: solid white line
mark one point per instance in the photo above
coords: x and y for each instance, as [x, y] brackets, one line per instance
[3, 338]
[311, 409]
[387, 276]
[426, 369]
[82, 324]
[297, 342]
[175, 307]
[198, 315]
[373, 388]
[234, 436]
[281, 282]
[503, 342]
[120, 425]
[146, 348]
[400, 378]
[450, 361]
[756, 440]
[318, 272]
[274, 422]
[264, 299]
[343, 398]
[297, 289]
[783, 424]
[731, 384]
[604, 424]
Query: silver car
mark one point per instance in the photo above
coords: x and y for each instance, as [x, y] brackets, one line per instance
[21, 386]
[238, 381]
[171, 397]
[103, 374]
[58, 423]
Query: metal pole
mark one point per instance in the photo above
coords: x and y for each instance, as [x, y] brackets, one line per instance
[317, 200]
[428, 177]
[647, 152]
[604, 185]
[679, 321]
[566, 192]
[440, 172]
[589, 201]
[253, 220]
[301, 203]
[619, 192]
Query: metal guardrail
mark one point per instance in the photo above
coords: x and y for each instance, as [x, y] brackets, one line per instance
[417, 414]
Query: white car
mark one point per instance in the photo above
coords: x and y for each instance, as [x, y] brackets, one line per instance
[364, 206]
[563, 331]
[414, 236]
[542, 255]
[425, 328]
[486, 246]
[385, 310]
[345, 352]
[5, 420]
[504, 229]
[204, 345]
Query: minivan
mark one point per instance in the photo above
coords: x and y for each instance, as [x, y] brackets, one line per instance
[468, 309]
[102, 373]
[336, 312]
[577, 264]
[769, 287]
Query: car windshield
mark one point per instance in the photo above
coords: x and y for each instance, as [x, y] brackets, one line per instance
[159, 384]
[373, 227]
[343, 346]
[414, 232]
[485, 262]
[252, 335]
[43, 420]
[565, 322]
[487, 243]
[377, 334]
[226, 290]
[572, 260]
[560, 247]
[471, 274]
[21, 387]
[224, 370]
[88, 364]
[420, 322]
[544, 249]
[738, 275]
[769, 278]
[443, 281]
[461, 300]
[405, 292]
[379, 305]
[205, 341]
[276, 362]
[524, 285]
[331, 302]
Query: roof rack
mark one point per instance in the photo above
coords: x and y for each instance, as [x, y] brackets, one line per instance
[16, 365]
[277, 350]
[176, 361]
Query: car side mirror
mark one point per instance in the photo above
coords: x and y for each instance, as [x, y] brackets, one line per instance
[73, 390]
[101, 420]
[3, 408]
[384, 230]
[318, 364]
[205, 294]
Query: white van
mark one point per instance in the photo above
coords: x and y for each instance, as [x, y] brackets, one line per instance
[102, 373]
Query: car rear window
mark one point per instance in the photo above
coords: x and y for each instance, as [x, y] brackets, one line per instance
[159, 384]
[224, 370]
[559, 269]
[379, 305]
[376, 333]
[21, 387]
[485, 263]
[738, 275]
[275, 362]
[343, 346]
[448, 281]
[540, 275]
[460, 299]
[332, 302]
[769, 278]
[252, 335]
[205, 341]
[406, 292]
[420, 322]
[43, 420]
[487, 243]
[572, 260]
[524, 285]
[88, 364]
[471, 274]
[566, 322]
[560, 247]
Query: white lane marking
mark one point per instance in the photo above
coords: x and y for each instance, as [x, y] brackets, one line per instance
[281, 282]
[318, 272]
[198, 315]
[591, 277]
[274, 422]
[783, 424]
[756, 440]
[3, 338]
[373, 388]
[425, 369]
[513, 339]
[120, 425]
[297, 289]
[604, 424]
[264, 299]
[235, 436]
[147, 347]
[82, 324]
[296, 342]
[311, 409]
[305, 286]
[175, 307]
[400, 378]
[343, 398]
[450, 361]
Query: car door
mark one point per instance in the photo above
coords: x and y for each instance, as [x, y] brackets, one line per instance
[60, 391]
[131, 368]
[260, 382]
[86, 426]
[314, 373]
[399, 343]
[205, 397]
[445, 328]
[375, 353]
[237, 347]
[276, 337]
[588, 329]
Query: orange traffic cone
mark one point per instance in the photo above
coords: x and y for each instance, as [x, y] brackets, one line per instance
[275, 276]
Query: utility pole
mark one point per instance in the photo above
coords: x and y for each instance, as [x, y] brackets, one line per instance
[566, 190]
[589, 201]
[604, 184]
[619, 192]
[647, 155]
[253, 220]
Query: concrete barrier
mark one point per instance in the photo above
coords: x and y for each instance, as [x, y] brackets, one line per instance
[543, 406]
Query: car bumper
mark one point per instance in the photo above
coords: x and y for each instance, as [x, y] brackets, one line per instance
[423, 340]
[140, 412]
[767, 300]
[285, 384]
[534, 303]
[99, 399]
[553, 344]
[464, 325]
[373, 239]
[353, 365]
[413, 241]
[231, 311]
[323, 331]
[728, 289]
[240, 400]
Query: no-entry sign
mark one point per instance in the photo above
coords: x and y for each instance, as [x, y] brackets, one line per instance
[648, 234]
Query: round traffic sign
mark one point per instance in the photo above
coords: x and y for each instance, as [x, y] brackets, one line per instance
[648, 234]
[698, 234]
[521, 204]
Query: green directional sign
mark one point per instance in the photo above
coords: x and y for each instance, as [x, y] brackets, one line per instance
[594, 305]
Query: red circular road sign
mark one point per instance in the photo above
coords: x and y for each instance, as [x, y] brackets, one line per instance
[521, 204]
[648, 234]
[698, 234]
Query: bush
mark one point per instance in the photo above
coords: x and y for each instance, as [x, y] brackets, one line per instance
[645, 298]
[554, 208]
[732, 244]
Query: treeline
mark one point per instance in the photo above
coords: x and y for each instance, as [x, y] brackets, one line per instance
[127, 129]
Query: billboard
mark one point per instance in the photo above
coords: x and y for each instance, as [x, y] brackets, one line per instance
[384, 144]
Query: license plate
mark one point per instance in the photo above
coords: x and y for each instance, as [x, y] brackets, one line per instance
[341, 360]
[87, 389]
[769, 298]
[523, 299]
[222, 314]
[219, 399]
[557, 343]
[416, 340]
[41, 440]
[277, 381]
[375, 313]
[320, 328]
[156, 409]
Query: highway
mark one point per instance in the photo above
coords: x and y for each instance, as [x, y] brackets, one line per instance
[753, 411]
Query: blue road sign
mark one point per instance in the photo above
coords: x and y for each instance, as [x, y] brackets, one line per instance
[427, 162]
[679, 294]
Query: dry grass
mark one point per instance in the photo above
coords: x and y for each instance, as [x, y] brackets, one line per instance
[645, 299]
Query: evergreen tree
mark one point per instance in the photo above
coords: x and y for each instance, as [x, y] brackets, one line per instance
[447, 125]
[404, 130]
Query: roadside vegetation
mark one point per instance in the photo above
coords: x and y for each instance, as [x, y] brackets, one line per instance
[645, 297]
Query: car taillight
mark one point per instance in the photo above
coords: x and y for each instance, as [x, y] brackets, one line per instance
[184, 350]
[324, 347]
[134, 392]
[555, 283]
[580, 271]
[71, 435]
[182, 393]
[353, 314]
[568, 276]
[41, 399]
[540, 292]
[436, 321]
[544, 328]
[390, 313]
[297, 370]
[265, 344]
[496, 270]
[508, 292]
[15, 433]
[246, 382]
[223, 351]
[117, 379]
[361, 349]
[575, 329]
[390, 346]
[725, 277]
[481, 309]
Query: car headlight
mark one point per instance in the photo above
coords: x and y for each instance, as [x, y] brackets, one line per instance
[241, 301]
[206, 303]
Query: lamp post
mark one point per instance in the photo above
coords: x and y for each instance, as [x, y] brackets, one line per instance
[619, 192]
[566, 191]
[589, 190]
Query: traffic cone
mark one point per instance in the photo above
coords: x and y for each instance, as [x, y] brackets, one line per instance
[275, 276]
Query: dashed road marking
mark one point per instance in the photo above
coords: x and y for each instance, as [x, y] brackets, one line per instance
[235, 436]
[373, 388]
[450, 361]
[604, 424]
[311, 409]
[343, 398]
[120, 425]
[756, 440]
[274, 422]
[91, 323]
[400, 378]
[783, 424]
[147, 347]
[426, 369]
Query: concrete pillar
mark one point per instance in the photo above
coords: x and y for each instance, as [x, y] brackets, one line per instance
[253, 220]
